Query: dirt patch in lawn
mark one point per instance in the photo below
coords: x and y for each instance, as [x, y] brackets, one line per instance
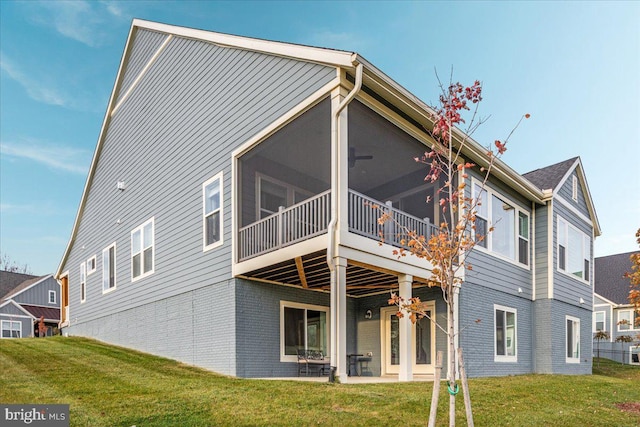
[631, 407]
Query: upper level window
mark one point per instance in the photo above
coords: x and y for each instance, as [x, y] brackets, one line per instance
[83, 282]
[109, 268]
[505, 334]
[212, 212]
[510, 235]
[574, 251]
[91, 265]
[52, 297]
[573, 339]
[142, 250]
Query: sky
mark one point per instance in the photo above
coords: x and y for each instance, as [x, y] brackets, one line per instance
[574, 66]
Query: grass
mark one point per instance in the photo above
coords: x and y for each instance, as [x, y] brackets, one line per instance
[111, 386]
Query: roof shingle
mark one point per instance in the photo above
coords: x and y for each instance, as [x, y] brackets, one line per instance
[609, 280]
[549, 177]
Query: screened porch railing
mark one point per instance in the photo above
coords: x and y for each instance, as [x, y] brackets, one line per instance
[301, 221]
[311, 217]
[363, 220]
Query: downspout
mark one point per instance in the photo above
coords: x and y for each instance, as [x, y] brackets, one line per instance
[331, 228]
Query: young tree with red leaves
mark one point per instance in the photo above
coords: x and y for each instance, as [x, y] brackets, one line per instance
[634, 279]
[447, 249]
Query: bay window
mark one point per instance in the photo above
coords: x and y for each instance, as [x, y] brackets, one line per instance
[509, 237]
[574, 251]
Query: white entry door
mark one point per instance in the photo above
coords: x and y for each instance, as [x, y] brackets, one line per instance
[423, 334]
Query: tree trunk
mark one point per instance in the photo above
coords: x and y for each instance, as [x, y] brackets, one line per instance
[451, 375]
[436, 390]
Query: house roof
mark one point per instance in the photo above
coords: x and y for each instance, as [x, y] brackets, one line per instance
[10, 280]
[373, 79]
[24, 286]
[549, 177]
[552, 178]
[37, 311]
[609, 280]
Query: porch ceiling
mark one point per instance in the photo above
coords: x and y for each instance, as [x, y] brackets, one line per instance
[311, 272]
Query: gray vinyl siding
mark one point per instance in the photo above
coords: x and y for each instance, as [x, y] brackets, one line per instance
[11, 310]
[567, 288]
[145, 44]
[566, 192]
[39, 294]
[178, 128]
[541, 258]
[477, 336]
[182, 327]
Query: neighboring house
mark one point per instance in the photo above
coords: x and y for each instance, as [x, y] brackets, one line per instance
[612, 311]
[25, 300]
[227, 221]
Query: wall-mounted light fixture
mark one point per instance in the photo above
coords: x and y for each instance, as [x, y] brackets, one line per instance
[121, 186]
[519, 290]
[581, 300]
[368, 314]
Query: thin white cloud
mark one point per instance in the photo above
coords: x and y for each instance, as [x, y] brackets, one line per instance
[35, 88]
[83, 21]
[58, 157]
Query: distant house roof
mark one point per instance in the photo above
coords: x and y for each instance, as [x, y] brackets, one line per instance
[548, 178]
[52, 314]
[10, 280]
[609, 280]
[24, 285]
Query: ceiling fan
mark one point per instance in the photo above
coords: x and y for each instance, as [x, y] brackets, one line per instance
[353, 158]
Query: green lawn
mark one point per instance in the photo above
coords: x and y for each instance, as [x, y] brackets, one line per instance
[112, 386]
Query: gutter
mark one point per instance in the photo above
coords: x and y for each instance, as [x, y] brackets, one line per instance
[331, 228]
[334, 125]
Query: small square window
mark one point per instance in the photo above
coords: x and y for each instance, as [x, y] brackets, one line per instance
[52, 297]
[91, 265]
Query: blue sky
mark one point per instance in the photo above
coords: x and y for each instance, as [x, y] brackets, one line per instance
[574, 66]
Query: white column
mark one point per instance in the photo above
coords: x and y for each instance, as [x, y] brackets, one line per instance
[341, 314]
[405, 325]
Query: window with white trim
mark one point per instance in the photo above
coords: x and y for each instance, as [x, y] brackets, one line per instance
[634, 355]
[142, 250]
[303, 326]
[212, 212]
[510, 235]
[11, 329]
[505, 333]
[598, 320]
[627, 320]
[83, 282]
[573, 339]
[91, 265]
[574, 251]
[52, 297]
[109, 268]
